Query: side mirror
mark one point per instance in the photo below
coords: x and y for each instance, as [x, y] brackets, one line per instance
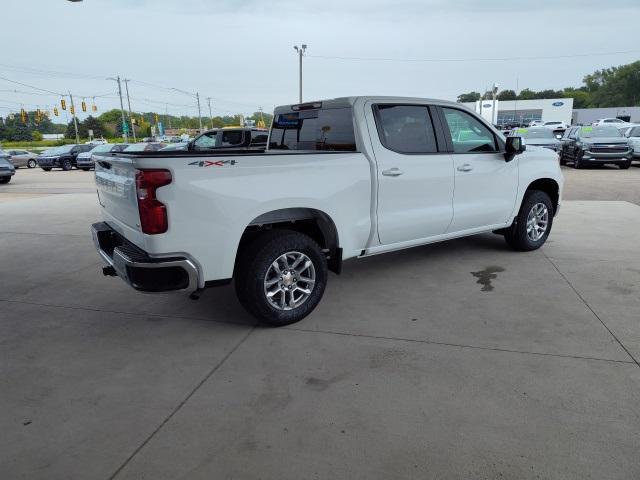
[515, 146]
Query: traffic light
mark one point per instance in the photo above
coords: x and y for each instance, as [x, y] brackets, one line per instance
[72, 110]
[156, 117]
[55, 111]
[23, 115]
[84, 106]
[63, 104]
[94, 108]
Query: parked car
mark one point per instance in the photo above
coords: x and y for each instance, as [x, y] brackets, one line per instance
[595, 146]
[557, 127]
[61, 157]
[538, 136]
[144, 147]
[536, 123]
[22, 158]
[610, 122]
[84, 160]
[7, 170]
[632, 134]
[341, 178]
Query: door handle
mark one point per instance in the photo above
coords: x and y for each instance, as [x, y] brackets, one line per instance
[392, 172]
[465, 168]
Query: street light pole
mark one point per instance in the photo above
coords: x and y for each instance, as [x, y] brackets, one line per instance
[133, 128]
[300, 51]
[75, 120]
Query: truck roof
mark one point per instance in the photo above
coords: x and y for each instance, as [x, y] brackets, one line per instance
[342, 102]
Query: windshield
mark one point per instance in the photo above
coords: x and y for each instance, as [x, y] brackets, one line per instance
[595, 132]
[534, 133]
[58, 150]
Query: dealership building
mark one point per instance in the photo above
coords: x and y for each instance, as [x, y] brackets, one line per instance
[524, 111]
[548, 110]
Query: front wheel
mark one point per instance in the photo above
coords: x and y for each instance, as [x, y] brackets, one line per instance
[31, 163]
[5, 179]
[281, 277]
[625, 165]
[532, 226]
[66, 164]
[577, 160]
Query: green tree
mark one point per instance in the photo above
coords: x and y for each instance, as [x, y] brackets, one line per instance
[527, 94]
[469, 97]
[507, 95]
[92, 123]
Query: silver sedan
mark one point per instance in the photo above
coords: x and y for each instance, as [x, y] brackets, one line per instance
[22, 158]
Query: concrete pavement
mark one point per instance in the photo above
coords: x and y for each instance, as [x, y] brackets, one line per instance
[457, 360]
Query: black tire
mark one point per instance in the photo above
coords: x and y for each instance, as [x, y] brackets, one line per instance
[625, 165]
[46, 169]
[5, 179]
[31, 163]
[254, 264]
[516, 235]
[577, 160]
[66, 164]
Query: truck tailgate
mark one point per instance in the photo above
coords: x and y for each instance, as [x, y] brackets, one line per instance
[116, 184]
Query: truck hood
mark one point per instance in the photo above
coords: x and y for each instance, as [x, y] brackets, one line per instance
[606, 140]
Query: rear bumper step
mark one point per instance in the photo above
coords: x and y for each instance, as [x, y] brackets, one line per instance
[137, 268]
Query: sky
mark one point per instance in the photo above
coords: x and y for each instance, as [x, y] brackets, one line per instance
[240, 53]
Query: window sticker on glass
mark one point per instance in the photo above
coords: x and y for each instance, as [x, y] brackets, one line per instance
[522, 130]
[587, 129]
[287, 120]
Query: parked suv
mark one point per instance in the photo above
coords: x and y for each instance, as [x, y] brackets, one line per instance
[610, 122]
[22, 158]
[84, 160]
[632, 135]
[61, 157]
[595, 146]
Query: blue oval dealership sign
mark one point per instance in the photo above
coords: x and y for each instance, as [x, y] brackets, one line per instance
[557, 104]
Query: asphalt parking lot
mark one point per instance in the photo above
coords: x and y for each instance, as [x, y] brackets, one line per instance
[456, 360]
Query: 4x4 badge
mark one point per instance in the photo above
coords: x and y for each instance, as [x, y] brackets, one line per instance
[209, 163]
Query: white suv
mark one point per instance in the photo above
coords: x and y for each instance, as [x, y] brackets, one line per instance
[555, 125]
[611, 122]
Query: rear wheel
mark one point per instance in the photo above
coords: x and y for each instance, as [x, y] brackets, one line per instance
[281, 277]
[532, 226]
[66, 164]
[31, 163]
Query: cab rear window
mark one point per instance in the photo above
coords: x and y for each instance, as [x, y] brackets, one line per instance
[328, 129]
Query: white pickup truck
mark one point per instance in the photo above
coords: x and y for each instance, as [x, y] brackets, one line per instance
[341, 178]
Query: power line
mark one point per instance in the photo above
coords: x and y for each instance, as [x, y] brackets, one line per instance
[471, 59]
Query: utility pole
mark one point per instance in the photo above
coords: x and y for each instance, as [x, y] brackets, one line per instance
[75, 120]
[133, 128]
[494, 114]
[124, 120]
[167, 118]
[300, 51]
[199, 114]
[210, 116]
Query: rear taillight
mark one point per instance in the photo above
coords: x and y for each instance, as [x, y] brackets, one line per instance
[153, 214]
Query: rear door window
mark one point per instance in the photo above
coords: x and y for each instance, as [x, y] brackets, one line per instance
[232, 138]
[325, 129]
[406, 128]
